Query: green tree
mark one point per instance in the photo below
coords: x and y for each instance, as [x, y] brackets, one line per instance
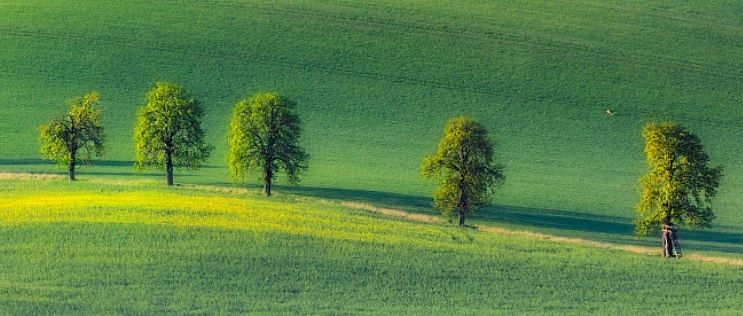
[80, 131]
[168, 131]
[264, 138]
[464, 168]
[678, 186]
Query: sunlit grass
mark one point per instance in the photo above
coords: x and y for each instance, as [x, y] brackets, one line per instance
[175, 209]
[375, 81]
[140, 248]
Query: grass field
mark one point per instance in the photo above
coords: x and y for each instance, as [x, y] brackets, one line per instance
[375, 82]
[132, 247]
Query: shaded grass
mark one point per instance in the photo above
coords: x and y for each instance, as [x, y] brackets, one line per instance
[605, 228]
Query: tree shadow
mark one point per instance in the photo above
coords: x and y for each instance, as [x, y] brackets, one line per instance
[24, 162]
[125, 174]
[94, 163]
[35, 162]
[376, 198]
[607, 228]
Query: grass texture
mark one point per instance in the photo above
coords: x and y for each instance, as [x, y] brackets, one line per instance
[136, 248]
[376, 81]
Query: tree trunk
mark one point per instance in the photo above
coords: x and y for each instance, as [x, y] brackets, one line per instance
[666, 240]
[669, 238]
[268, 173]
[169, 167]
[71, 166]
[463, 205]
[675, 240]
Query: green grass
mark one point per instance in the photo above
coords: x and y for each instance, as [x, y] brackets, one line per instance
[375, 82]
[132, 247]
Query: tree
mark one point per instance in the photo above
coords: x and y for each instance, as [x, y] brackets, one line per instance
[678, 186]
[168, 131]
[79, 130]
[464, 168]
[264, 138]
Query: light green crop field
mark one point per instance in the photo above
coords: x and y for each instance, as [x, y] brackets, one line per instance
[102, 247]
[375, 82]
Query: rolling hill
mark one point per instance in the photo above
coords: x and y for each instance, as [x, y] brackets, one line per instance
[133, 247]
[376, 81]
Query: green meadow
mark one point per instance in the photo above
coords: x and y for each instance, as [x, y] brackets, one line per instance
[132, 247]
[375, 82]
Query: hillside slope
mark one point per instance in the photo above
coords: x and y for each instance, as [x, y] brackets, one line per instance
[105, 247]
[376, 81]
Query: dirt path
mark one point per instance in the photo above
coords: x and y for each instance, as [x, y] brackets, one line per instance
[647, 251]
[29, 176]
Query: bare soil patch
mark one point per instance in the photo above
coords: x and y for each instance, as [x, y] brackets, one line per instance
[29, 176]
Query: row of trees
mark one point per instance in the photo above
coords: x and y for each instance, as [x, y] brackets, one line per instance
[263, 135]
[263, 139]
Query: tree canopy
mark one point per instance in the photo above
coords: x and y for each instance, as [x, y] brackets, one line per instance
[263, 137]
[80, 131]
[679, 185]
[464, 168]
[168, 131]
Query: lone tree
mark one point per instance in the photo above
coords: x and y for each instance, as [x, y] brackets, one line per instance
[168, 131]
[79, 130]
[678, 186]
[464, 168]
[264, 138]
